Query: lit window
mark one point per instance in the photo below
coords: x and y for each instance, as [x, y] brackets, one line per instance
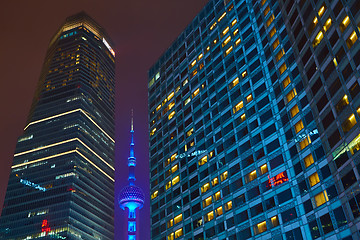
[187, 101]
[212, 26]
[167, 162]
[158, 107]
[351, 39]
[170, 223]
[318, 38]
[342, 103]
[249, 98]
[260, 228]
[286, 82]
[299, 126]
[272, 32]
[170, 236]
[224, 176]
[175, 180]
[151, 82]
[222, 16]
[314, 179]
[236, 32]
[209, 216]
[226, 41]
[157, 76]
[280, 54]
[215, 181]
[205, 187]
[244, 74]
[345, 22]
[185, 82]
[225, 31]
[335, 61]
[275, 44]
[178, 218]
[270, 20]
[171, 105]
[200, 56]
[304, 143]
[250, 176]
[211, 154]
[154, 195]
[238, 106]
[321, 198]
[219, 211]
[234, 83]
[228, 205]
[207, 201]
[171, 115]
[196, 92]
[243, 117]
[152, 132]
[228, 50]
[327, 24]
[168, 185]
[308, 160]
[274, 221]
[164, 101]
[354, 145]
[263, 2]
[233, 22]
[203, 160]
[217, 196]
[294, 111]
[193, 63]
[175, 168]
[348, 123]
[171, 95]
[290, 96]
[190, 132]
[237, 42]
[264, 169]
[266, 11]
[282, 68]
[173, 157]
[194, 73]
[178, 233]
[177, 89]
[322, 10]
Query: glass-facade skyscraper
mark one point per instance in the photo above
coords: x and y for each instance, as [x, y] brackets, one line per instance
[61, 184]
[253, 118]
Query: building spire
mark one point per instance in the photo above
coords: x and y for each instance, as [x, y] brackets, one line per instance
[131, 158]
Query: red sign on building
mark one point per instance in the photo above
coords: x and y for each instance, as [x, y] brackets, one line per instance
[278, 179]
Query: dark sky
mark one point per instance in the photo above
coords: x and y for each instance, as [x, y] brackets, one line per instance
[141, 30]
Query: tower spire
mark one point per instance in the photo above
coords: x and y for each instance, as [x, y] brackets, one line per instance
[131, 158]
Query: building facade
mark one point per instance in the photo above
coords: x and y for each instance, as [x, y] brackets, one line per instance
[61, 184]
[253, 118]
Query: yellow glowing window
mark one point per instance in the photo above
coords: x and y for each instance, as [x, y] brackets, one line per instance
[345, 22]
[351, 39]
[222, 16]
[178, 218]
[335, 61]
[171, 115]
[209, 216]
[243, 117]
[187, 101]
[233, 22]
[272, 32]
[238, 106]
[294, 111]
[208, 48]
[274, 221]
[308, 160]
[224, 176]
[179, 233]
[304, 143]
[168, 185]
[175, 168]
[280, 54]
[322, 10]
[226, 41]
[171, 105]
[177, 89]
[237, 42]
[219, 211]
[194, 73]
[185, 82]
[286, 82]
[203, 160]
[201, 65]
[228, 206]
[170, 236]
[175, 180]
[275, 44]
[173, 157]
[190, 132]
[167, 162]
[193, 63]
[207, 201]
[212, 26]
[266, 11]
[290, 96]
[321, 198]
[171, 95]
[349, 123]
[236, 32]
[164, 101]
[205, 187]
[282, 68]
[260, 228]
[217, 196]
[228, 50]
[234, 83]
[250, 176]
[215, 181]
[314, 179]
[153, 132]
[212, 153]
[196, 92]
[299, 126]
[244, 74]
[154, 195]
[225, 31]
[158, 107]
[170, 223]
[358, 111]
[270, 20]
[327, 24]
[318, 38]
[264, 169]
[249, 98]
[151, 82]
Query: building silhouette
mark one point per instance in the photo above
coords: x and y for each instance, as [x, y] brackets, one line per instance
[131, 196]
[61, 184]
[253, 118]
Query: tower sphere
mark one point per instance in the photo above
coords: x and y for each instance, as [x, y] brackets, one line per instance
[131, 195]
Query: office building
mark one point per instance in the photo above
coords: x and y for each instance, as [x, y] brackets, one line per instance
[61, 184]
[253, 118]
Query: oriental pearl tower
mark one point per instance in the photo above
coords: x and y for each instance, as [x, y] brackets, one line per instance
[131, 196]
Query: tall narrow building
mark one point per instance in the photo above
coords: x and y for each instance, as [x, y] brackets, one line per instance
[61, 184]
[254, 123]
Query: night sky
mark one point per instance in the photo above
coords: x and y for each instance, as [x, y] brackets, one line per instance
[141, 30]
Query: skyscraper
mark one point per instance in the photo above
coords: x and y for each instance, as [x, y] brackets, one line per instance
[253, 117]
[61, 185]
[131, 196]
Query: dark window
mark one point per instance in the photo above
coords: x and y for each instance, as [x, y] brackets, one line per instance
[334, 138]
[354, 89]
[316, 86]
[326, 223]
[314, 229]
[322, 102]
[284, 196]
[340, 217]
[255, 210]
[328, 119]
[289, 215]
[349, 179]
